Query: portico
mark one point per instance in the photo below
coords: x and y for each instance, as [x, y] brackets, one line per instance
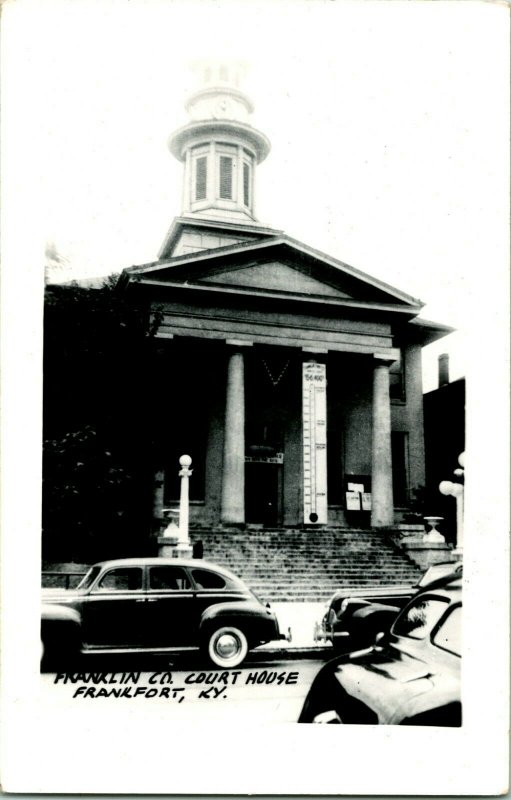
[270, 455]
[293, 380]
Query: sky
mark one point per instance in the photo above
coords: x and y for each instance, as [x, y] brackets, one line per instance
[388, 123]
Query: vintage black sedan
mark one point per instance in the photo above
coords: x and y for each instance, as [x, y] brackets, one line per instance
[352, 617]
[410, 676]
[156, 605]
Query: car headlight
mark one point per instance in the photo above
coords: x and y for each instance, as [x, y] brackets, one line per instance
[343, 606]
[328, 718]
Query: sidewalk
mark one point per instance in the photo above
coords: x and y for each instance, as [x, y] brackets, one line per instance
[301, 618]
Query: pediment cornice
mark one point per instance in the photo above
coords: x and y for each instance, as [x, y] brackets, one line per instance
[234, 269]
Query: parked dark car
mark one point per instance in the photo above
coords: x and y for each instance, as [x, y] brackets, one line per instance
[155, 606]
[353, 617]
[410, 676]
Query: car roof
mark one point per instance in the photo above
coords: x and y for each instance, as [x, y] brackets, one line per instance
[373, 591]
[156, 561]
[447, 570]
[446, 586]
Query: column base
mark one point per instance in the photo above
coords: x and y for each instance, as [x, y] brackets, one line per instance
[171, 547]
[167, 546]
[184, 551]
[426, 554]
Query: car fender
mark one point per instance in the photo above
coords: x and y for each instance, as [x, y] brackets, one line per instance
[52, 612]
[372, 619]
[444, 692]
[61, 634]
[251, 616]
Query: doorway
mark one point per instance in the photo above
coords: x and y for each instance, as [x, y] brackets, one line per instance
[263, 494]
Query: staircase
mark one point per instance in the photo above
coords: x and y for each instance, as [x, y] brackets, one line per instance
[307, 565]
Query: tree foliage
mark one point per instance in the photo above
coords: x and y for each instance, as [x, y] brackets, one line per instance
[98, 434]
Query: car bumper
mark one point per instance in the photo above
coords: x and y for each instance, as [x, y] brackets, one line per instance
[324, 634]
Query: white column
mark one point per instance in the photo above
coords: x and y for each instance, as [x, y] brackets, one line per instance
[187, 182]
[239, 179]
[184, 495]
[233, 475]
[382, 507]
[158, 489]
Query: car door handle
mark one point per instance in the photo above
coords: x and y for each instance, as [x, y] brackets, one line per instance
[151, 600]
[140, 600]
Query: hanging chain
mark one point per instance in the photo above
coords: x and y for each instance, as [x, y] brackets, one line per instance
[276, 381]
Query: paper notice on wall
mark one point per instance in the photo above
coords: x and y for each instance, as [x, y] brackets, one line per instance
[356, 487]
[353, 501]
[366, 501]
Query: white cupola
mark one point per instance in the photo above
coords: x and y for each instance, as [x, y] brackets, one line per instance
[219, 148]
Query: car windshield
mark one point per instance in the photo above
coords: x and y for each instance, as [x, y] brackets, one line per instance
[89, 578]
[419, 618]
[448, 634]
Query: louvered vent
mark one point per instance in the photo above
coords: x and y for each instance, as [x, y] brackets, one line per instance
[225, 178]
[246, 184]
[200, 178]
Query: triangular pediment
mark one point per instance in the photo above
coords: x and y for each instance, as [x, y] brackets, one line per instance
[276, 266]
[273, 276]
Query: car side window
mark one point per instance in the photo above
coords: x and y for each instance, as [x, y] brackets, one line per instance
[121, 579]
[397, 600]
[448, 634]
[168, 579]
[419, 618]
[208, 580]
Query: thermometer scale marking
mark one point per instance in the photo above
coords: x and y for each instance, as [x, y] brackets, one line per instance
[314, 443]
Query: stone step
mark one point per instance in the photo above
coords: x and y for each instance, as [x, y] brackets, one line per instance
[300, 564]
[334, 576]
[306, 565]
[336, 563]
[309, 569]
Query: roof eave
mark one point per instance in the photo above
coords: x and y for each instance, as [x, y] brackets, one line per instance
[426, 332]
[391, 308]
[282, 239]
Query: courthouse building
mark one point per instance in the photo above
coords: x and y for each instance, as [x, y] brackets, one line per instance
[292, 379]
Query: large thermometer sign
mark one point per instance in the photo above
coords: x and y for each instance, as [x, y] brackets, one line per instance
[314, 444]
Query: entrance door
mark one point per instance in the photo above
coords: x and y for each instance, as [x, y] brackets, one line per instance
[263, 494]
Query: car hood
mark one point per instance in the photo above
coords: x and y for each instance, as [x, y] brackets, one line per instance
[60, 595]
[395, 685]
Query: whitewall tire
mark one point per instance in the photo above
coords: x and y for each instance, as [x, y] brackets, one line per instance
[227, 647]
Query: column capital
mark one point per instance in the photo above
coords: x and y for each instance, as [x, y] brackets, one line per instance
[239, 343]
[385, 359]
[315, 350]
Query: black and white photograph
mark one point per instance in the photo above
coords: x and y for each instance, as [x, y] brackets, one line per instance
[255, 397]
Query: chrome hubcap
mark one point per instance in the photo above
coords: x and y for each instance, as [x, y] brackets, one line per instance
[227, 645]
